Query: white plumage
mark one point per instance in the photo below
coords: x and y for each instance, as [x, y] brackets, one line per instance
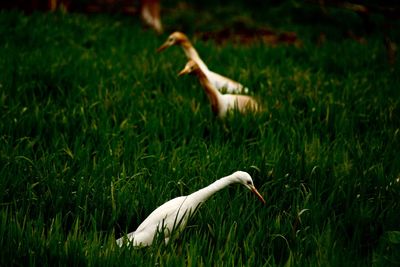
[220, 82]
[221, 104]
[174, 214]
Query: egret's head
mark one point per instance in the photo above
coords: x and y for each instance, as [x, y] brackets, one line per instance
[173, 39]
[190, 67]
[245, 179]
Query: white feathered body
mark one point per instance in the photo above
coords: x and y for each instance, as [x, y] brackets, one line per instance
[170, 216]
[224, 84]
[173, 215]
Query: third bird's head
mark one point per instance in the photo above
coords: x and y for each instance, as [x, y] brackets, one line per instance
[173, 39]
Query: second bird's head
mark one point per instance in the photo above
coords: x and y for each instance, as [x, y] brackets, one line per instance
[173, 39]
[190, 67]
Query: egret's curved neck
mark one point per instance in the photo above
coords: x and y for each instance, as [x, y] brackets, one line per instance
[213, 94]
[192, 54]
[206, 192]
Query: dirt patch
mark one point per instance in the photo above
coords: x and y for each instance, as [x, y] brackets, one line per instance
[247, 36]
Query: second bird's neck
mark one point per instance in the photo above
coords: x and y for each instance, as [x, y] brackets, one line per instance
[213, 94]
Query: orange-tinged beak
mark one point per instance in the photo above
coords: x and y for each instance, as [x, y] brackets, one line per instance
[184, 71]
[163, 47]
[254, 190]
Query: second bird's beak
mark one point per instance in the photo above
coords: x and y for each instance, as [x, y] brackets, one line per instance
[254, 190]
[163, 47]
[183, 72]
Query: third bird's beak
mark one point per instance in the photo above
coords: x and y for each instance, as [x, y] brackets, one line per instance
[163, 47]
[254, 190]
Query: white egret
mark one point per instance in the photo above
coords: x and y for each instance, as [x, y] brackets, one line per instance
[220, 103]
[150, 13]
[220, 82]
[174, 214]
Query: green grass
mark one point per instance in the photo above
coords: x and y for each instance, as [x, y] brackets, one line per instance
[97, 130]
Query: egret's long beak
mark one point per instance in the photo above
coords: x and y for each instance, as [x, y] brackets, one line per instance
[163, 47]
[184, 71]
[254, 190]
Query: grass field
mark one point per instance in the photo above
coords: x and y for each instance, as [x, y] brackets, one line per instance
[97, 130]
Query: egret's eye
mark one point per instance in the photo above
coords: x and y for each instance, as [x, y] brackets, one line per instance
[171, 39]
[249, 182]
